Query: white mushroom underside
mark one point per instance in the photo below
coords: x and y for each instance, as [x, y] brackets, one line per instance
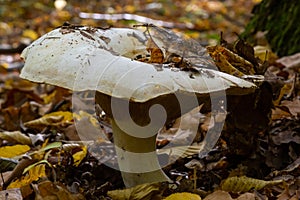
[103, 61]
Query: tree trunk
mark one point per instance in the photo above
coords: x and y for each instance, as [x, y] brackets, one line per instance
[281, 21]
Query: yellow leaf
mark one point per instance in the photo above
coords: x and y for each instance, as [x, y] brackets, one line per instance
[244, 184]
[30, 34]
[12, 151]
[34, 173]
[51, 119]
[183, 195]
[79, 156]
[48, 98]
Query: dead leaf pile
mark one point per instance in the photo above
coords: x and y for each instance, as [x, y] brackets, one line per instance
[41, 156]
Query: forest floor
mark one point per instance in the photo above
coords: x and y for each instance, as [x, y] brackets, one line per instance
[43, 155]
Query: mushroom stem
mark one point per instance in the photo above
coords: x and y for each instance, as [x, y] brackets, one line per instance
[137, 157]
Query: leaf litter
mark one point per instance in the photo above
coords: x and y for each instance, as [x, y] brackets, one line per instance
[275, 158]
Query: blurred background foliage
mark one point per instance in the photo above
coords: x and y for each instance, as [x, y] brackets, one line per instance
[200, 19]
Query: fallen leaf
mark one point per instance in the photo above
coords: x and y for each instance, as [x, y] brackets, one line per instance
[244, 184]
[183, 196]
[156, 54]
[79, 156]
[139, 192]
[47, 190]
[15, 137]
[292, 61]
[52, 119]
[293, 106]
[11, 194]
[34, 173]
[247, 196]
[218, 195]
[279, 113]
[12, 151]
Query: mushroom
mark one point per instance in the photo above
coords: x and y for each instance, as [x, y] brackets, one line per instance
[137, 96]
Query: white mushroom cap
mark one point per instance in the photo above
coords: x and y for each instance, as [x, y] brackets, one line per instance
[94, 59]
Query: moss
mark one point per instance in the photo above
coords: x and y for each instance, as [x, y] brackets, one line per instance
[280, 19]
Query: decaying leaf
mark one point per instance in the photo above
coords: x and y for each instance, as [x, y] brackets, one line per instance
[244, 184]
[140, 192]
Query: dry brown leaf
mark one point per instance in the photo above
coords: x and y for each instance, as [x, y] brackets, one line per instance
[156, 54]
[293, 106]
[218, 195]
[47, 190]
[247, 196]
[292, 62]
[279, 113]
[11, 194]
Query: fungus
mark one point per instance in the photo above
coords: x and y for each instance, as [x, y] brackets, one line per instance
[137, 96]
